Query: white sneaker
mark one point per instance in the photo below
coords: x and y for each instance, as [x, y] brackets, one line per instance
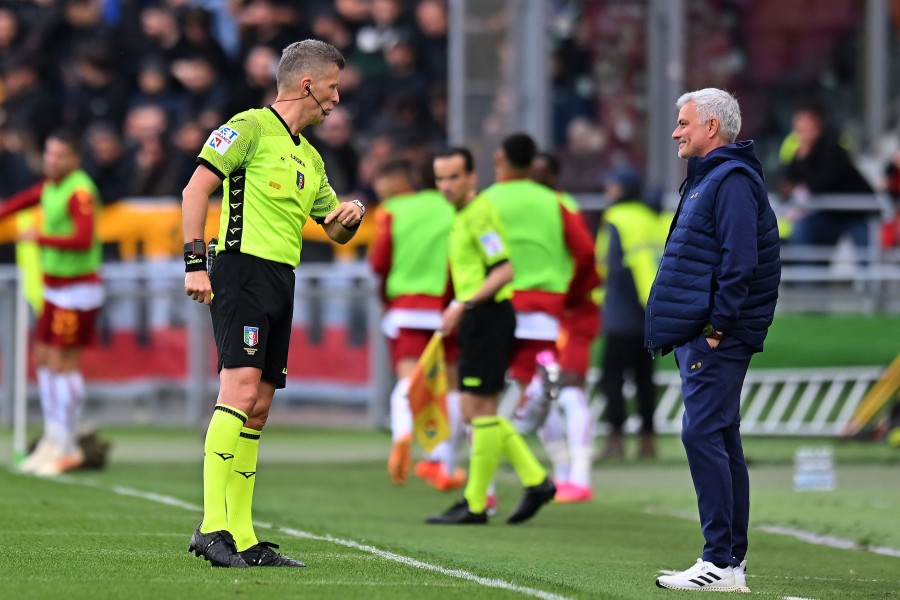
[44, 450]
[740, 577]
[703, 576]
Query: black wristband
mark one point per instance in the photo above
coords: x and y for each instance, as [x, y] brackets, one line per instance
[194, 262]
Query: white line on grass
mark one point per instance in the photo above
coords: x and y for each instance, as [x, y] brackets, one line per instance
[829, 541]
[398, 558]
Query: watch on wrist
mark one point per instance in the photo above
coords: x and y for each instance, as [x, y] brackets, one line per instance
[195, 247]
[468, 305]
[361, 206]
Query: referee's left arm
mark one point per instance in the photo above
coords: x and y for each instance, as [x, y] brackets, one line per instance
[341, 223]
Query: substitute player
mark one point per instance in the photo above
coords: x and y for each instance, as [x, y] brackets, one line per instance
[568, 430]
[70, 260]
[485, 320]
[273, 182]
[410, 256]
[553, 258]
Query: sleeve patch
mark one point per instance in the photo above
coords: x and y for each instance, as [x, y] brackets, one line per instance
[491, 243]
[221, 139]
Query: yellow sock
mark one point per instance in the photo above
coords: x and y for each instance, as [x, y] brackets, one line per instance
[218, 454]
[520, 456]
[486, 452]
[239, 493]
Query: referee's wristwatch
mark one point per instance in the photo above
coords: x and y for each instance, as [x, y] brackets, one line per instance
[361, 206]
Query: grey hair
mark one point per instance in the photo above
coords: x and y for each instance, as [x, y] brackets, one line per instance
[719, 104]
[309, 57]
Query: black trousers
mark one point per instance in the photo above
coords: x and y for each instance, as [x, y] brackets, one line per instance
[623, 353]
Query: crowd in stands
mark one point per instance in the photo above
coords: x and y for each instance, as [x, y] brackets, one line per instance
[144, 82]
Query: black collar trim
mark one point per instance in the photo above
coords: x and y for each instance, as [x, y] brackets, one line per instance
[295, 138]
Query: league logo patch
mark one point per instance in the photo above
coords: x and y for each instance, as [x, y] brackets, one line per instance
[251, 335]
[491, 243]
[221, 139]
[300, 180]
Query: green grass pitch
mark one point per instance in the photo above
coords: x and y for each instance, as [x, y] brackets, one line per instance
[325, 497]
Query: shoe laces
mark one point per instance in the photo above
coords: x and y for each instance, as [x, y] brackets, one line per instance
[257, 551]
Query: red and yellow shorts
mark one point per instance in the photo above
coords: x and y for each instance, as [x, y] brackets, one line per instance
[66, 327]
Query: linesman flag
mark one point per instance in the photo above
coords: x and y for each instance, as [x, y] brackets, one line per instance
[428, 395]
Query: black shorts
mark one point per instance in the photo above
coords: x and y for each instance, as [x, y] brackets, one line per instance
[252, 310]
[486, 337]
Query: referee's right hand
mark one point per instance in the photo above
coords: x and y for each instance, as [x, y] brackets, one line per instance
[197, 286]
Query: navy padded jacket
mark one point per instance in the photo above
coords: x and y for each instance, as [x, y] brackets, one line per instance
[722, 262]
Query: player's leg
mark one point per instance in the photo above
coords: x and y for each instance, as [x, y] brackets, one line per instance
[485, 341]
[51, 434]
[574, 356]
[646, 398]
[400, 458]
[553, 437]
[63, 333]
[613, 366]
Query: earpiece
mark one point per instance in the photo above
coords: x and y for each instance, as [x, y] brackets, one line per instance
[308, 91]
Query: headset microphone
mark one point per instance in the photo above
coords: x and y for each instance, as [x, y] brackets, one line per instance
[308, 93]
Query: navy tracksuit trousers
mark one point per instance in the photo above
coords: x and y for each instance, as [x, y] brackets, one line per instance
[711, 382]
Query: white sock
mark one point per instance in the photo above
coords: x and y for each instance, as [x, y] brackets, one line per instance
[553, 437]
[580, 432]
[401, 414]
[48, 403]
[68, 408]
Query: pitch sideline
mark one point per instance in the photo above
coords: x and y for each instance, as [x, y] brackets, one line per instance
[391, 556]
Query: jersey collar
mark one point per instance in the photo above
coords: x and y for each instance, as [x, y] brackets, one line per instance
[296, 138]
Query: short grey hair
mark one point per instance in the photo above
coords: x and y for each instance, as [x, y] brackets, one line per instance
[309, 57]
[719, 104]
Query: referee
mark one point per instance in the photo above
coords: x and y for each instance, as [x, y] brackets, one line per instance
[273, 181]
[486, 322]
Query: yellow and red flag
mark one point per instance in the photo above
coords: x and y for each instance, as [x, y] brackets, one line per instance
[428, 395]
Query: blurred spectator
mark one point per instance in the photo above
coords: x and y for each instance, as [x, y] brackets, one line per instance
[186, 141]
[109, 161]
[431, 39]
[196, 24]
[206, 94]
[385, 27]
[16, 173]
[256, 88]
[379, 151]
[162, 36]
[155, 86]
[10, 32]
[583, 158]
[160, 170]
[333, 141]
[329, 27]
[273, 23]
[26, 103]
[99, 93]
[820, 165]
[81, 24]
[143, 123]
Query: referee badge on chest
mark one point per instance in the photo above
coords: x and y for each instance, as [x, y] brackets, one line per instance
[251, 339]
[300, 180]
